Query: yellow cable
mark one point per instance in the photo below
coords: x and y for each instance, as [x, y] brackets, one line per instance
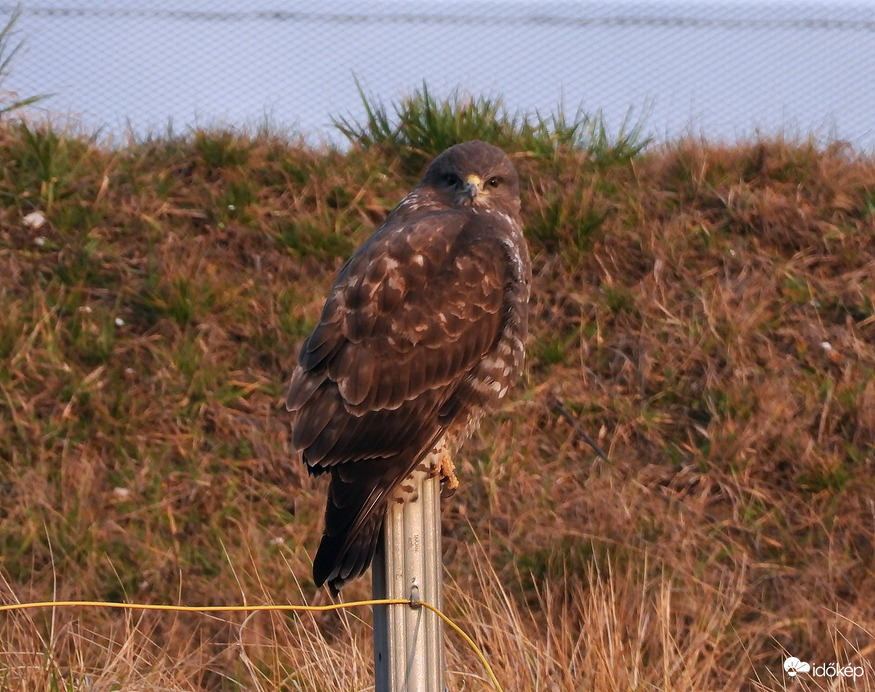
[197, 609]
[254, 608]
[464, 635]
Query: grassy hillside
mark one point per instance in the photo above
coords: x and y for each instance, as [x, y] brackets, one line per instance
[704, 312]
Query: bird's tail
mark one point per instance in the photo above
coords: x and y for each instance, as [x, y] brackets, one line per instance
[354, 514]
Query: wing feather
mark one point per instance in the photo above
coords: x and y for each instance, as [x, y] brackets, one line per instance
[389, 366]
[382, 356]
[323, 407]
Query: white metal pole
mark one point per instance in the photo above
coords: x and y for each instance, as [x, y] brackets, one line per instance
[408, 641]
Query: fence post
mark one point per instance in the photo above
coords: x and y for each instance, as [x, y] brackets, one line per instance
[408, 641]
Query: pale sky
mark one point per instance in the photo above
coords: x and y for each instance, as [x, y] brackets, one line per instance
[726, 69]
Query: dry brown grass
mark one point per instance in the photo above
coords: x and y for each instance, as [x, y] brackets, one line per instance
[681, 306]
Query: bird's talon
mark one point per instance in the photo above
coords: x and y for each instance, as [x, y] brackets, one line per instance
[449, 481]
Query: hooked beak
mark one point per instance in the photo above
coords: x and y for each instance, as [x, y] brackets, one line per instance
[471, 189]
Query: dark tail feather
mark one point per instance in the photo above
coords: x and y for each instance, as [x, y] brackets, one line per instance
[337, 563]
[354, 518]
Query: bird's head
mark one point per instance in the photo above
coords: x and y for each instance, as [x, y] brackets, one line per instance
[473, 174]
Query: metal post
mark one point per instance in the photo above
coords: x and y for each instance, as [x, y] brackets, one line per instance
[408, 641]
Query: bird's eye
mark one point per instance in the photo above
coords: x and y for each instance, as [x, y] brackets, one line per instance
[493, 182]
[450, 179]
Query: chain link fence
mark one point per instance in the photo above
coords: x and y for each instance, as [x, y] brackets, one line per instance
[725, 71]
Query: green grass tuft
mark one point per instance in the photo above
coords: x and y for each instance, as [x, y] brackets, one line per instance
[421, 126]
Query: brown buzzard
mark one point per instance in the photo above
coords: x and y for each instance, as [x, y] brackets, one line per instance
[422, 331]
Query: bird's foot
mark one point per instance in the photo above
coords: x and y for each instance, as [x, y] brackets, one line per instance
[449, 481]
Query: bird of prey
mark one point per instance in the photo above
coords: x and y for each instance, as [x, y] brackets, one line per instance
[422, 331]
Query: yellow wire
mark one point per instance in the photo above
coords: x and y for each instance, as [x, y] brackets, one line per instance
[198, 609]
[254, 608]
[464, 635]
